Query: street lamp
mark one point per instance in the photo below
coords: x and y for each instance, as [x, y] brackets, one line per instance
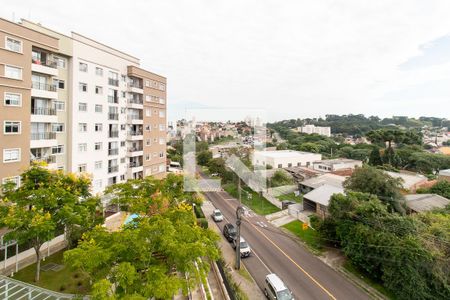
[239, 212]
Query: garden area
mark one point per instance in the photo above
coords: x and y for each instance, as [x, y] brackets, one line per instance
[56, 276]
[251, 199]
[290, 197]
[309, 236]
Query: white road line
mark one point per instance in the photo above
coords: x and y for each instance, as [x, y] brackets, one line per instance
[259, 258]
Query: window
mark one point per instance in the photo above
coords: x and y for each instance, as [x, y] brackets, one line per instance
[61, 84]
[98, 90]
[162, 113]
[13, 99]
[147, 157]
[148, 112]
[122, 177]
[148, 127]
[82, 168]
[123, 110]
[58, 149]
[98, 108]
[148, 98]
[83, 67]
[83, 87]
[13, 72]
[82, 127]
[148, 142]
[98, 127]
[162, 86]
[13, 179]
[82, 147]
[11, 155]
[124, 77]
[12, 127]
[124, 94]
[60, 62]
[162, 168]
[98, 183]
[162, 127]
[98, 146]
[161, 154]
[13, 45]
[98, 71]
[122, 143]
[162, 141]
[60, 105]
[162, 101]
[122, 160]
[58, 127]
[147, 83]
[98, 164]
[82, 106]
[280, 166]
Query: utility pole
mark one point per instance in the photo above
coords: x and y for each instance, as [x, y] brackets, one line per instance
[239, 190]
[239, 212]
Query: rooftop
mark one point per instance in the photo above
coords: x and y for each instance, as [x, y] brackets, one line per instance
[323, 194]
[325, 179]
[409, 180]
[425, 202]
[337, 161]
[283, 153]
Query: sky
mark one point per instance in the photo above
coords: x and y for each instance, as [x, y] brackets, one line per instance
[293, 59]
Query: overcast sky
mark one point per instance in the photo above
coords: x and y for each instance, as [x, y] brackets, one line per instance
[291, 58]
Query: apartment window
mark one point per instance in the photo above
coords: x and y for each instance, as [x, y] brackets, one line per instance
[124, 94]
[162, 113]
[98, 165]
[82, 147]
[98, 108]
[98, 71]
[148, 142]
[122, 177]
[122, 160]
[13, 72]
[148, 98]
[124, 78]
[82, 168]
[11, 155]
[61, 83]
[58, 149]
[58, 127]
[123, 110]
[148, 127]
[148, 112]
[162, 86]
[162, 141]
[60, 62]
[13, 99]
[147, 83]
[147, 157]
[98, 183]
[13, 179]
[12, 127]
[98, 90]
[280, 166]
[98, 127]
[161, 154]
[162, 101]
[122, 143]
[82, 127]
[162, 168]
[13, 44]
[82, 106]
[98, 146]
[83, 87]
[162, 127]
[83, 67]
[60, 105]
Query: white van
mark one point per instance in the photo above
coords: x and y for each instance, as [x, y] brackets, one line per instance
[274, 288]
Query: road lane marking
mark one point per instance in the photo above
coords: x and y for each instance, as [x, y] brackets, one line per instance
[287, 256]
[265, 266]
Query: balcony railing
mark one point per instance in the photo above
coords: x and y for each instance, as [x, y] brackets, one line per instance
[114, 82]
[43, 86]
[113, 151]
[48, 63]
[135, 133]
[135, 85]
[43, 111]
[35, 136]
[49, 159]
[113, 116]
[113, 169]
[113, 133]
[138, 118]
[113, 99]
[135, 164]
[135, 149]
[135, 101]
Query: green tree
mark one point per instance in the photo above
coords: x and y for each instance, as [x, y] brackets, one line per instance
[280, 178]
[204, 157]
[442, 188]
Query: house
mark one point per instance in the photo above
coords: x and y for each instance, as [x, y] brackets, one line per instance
[444, 175]
[332, 165]
[310, 129]
[410, 181]
[425, 202]
[285, 158]
[318, 199]
[326, 179]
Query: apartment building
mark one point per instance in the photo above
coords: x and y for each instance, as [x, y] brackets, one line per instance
[84, 107]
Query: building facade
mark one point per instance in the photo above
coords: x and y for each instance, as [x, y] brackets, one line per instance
[310, 129]
[78, 105]
[285, 158]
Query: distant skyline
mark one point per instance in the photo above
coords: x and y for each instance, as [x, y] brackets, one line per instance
[294, 59]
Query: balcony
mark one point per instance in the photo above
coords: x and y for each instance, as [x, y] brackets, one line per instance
[135, 151]
[43, 115]
[134, 119]
[113, 169]
[35, 136]
[135, 135]
[135, 87]
[47, 66]
[114, 151]
[49, 160]
[135, 166]
[43, 90]
[113, 133]
[113, 82]
[43, 139]
[43, 86]
[113, 116]
[113, 99]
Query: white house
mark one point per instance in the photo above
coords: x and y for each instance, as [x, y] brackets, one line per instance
[331, 165]
[285, 158]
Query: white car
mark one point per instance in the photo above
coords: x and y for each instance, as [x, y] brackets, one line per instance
[217, 215]
[244, 247]
[275, 289]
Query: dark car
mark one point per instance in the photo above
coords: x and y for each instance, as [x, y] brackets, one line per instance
[286, 203]
[229, 232]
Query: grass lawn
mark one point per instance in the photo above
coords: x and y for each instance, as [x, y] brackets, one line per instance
[258, 204]
[290, 196]
[64, 281]
[369, 281]
[309, 236]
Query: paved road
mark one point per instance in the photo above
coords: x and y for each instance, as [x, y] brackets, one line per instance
[275, 252]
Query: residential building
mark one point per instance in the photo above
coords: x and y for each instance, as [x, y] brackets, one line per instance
[417, 203]
[285, 158]
[332, 165]
[318, 199]
[326, 179]
[312, 129]
[79, 105]
[410, 181]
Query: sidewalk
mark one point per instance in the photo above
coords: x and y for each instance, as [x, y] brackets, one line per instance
[248, 286]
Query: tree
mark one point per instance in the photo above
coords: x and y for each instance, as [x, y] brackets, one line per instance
[280, 178]
[375, 157]
[373, 181]
[47, 201]
[204, 157]
[442, 188]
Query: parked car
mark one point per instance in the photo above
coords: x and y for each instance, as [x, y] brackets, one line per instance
[286, 203]
[274, 288]
[244, 247]
[217, 215]
[229, 232]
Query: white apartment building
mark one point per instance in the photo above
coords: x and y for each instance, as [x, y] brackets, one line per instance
[285, 158]
[310, 129]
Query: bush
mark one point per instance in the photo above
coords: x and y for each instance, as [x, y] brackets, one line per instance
[202, 222]
[198, 212]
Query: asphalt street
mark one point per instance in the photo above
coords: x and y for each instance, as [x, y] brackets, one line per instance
[275, 252]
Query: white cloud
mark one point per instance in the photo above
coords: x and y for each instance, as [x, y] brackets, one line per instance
[293, 58]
